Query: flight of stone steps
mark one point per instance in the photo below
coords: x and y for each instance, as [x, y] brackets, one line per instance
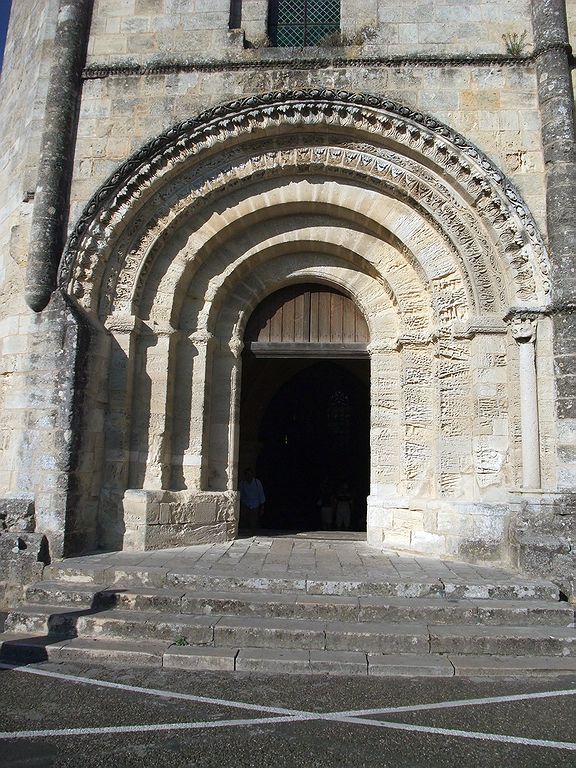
[198, 621]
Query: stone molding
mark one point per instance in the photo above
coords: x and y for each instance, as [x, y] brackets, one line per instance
[478, 325]
[455, 226]
[498, 201]
[176, 65]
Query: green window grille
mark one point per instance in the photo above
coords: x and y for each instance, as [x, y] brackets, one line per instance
[296, 23]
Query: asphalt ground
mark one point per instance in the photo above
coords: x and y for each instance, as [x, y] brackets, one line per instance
[81, 715]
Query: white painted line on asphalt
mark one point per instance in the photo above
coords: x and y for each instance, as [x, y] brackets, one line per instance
[158, 692]
[455, 703]
[353, 717]
[408, 727]
[460, 734]
[153, 727]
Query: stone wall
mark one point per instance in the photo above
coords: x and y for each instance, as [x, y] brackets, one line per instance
[495, 106]
[86, 387]
[23, 88]
[147, 30]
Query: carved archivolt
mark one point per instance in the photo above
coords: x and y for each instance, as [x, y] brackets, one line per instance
[369, 141]
[456, 230]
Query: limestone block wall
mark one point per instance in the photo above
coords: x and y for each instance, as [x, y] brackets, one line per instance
[571, 18]
[23, 87]
[146, 30]
[138, 48]
[152, 64]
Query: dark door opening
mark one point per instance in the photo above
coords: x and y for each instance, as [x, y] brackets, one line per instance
[304, 428]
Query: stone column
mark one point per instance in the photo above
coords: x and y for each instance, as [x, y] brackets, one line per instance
[385, 439]
[556, 100]
[236, 346]
[523, 328]
[57, 151]
[224, 371]
[195, 457]
[159, 367]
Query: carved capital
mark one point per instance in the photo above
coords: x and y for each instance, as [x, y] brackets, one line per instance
[123, 324]
[158, 329]
[236, 345]
[201, 339]
[523, 326]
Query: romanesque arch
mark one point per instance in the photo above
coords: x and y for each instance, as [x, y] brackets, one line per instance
[414, 223]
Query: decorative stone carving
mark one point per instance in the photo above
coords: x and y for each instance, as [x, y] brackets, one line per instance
[497, 199]
[236, 346]
[523, 326]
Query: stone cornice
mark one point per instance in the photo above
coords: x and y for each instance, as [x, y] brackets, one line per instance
[174, 65]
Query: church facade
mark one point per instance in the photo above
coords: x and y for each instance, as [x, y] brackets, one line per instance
[331, 241]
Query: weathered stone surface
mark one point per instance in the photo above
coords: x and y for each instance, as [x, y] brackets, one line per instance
[524, 666]
[377, 638]
[274, 661]
[258, 633]
[22, 557]
[408, 665]
[422, 168]
[17, 515]
[517, 641]
[188, 657]
[250, 631]
[338, 663]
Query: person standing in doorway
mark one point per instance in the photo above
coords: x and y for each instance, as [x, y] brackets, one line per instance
[325, 506]
[343, 508]
[252, 499]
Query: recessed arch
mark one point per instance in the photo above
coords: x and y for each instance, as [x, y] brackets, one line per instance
[403, 215]
[458, 166]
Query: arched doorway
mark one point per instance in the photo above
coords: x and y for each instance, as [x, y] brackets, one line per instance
[305, 413]
[398, 212]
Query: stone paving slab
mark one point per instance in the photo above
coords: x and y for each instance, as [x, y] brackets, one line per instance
[338, 663]
[509, 641]
[25, 649]
[280, 633]
[378, 638]
[302, 605]
[323, 559]
[142, 654]
[512, 666]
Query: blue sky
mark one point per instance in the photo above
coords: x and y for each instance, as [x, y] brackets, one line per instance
[4, 14]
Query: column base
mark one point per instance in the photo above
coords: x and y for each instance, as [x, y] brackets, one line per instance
[163, 519]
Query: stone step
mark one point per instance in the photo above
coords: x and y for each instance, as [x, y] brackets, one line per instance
[296, 634]
[503, 641]
[514, 588]
[303, 606]
[19, 649]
